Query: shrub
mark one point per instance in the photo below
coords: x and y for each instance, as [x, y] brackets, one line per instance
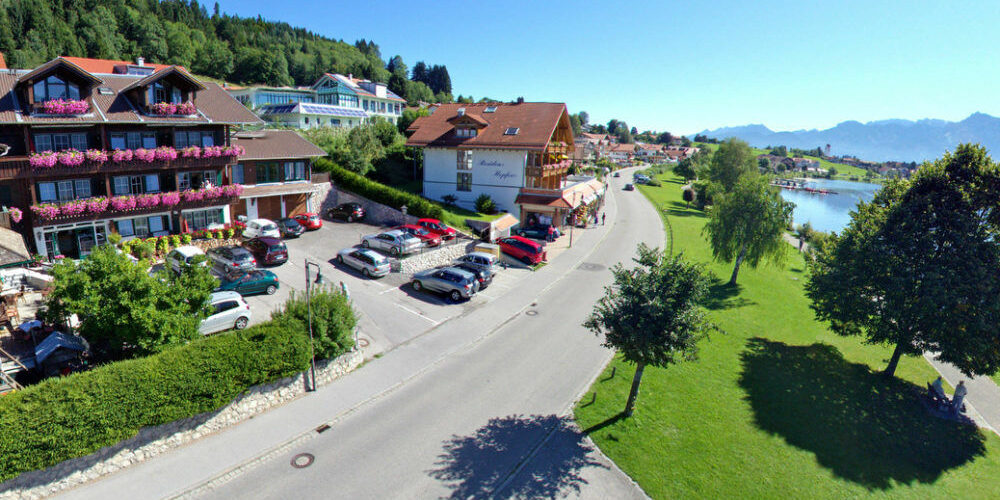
[186, 238]
[449, 199]
[175, 240]
[362, 186]
[333, 320]
[688, 195]
[145, 249]
[69, 417]
[485, 204]
[230, 233]
[654, 182]
[114, 238]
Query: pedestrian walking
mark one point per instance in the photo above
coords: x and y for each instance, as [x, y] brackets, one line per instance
[958, 398]
[604, 217]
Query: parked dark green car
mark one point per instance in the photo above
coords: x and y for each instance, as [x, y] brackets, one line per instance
[249, 283]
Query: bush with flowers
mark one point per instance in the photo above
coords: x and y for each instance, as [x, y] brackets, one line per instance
[65, 107]
[212, 192]
[97, 205]
[75, 207]
[193, 195]
[186, 109]
[71, 158]
[233, 151]
[45, 159]
[16, 214]
[211, 151]
[96, 155]
[232, 190]
[122, 155]
[191, 152]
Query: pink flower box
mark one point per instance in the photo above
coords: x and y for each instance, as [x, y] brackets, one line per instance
[16, 215]
[186, 109]
[123, 203]
[120, 155]
[192, 195]
[96, 155]
[211, 152]
[170, 199]
[164, 108]
[191, 152]
[76, 207]
[232, 190]
[165, 153]
[46, 211]
[97, 205]
[65, 107]
[71, 158]
[146, 155]
[147, 200]
[46, 159]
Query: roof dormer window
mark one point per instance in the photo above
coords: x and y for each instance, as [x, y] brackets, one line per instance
[466, 132]
[53, 88]
[164, 92]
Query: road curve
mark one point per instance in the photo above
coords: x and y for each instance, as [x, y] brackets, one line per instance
[479, 406]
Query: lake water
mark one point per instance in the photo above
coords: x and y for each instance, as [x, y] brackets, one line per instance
[828, 212]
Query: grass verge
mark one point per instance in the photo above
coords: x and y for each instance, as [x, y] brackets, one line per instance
[778, 406]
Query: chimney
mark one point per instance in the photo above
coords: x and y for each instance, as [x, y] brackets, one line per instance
[140, 61]
[461, 111]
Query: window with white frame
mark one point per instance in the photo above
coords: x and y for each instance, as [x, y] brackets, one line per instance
[464, 159]
[47, 191]
[60, 142]
[82, 187]
[71, 189]
[54, 87]
[295, 170]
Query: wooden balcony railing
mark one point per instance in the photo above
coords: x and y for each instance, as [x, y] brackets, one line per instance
[136, 212]
[19, 168]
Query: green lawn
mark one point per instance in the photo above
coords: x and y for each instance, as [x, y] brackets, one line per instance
[778, 406]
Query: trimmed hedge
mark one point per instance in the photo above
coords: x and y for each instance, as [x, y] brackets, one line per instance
[69, 417]
[362, 186]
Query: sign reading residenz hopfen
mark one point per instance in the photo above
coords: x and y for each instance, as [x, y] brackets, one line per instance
[500, 174]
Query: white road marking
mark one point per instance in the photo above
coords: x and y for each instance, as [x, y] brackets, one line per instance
[407, 309]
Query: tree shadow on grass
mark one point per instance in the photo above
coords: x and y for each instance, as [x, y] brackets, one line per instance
[481, 465]
[863, 427]
[722, 295]
[681, 209]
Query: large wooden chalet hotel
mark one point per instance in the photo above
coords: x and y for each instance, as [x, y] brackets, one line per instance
[517, 153]
[94, 146]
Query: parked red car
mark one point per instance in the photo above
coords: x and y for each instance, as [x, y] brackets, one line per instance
[437, 227]
[429, 239]
[267, 250]
[527, 251]
[309, 220]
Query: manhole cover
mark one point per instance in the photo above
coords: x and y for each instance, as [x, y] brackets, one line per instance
[302, 460]
[363, 342]
[531, 312]
[590, 266]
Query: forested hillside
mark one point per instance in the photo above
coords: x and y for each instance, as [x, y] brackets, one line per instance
[241, 50]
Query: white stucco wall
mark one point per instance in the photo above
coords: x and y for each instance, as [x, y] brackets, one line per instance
[498, 173]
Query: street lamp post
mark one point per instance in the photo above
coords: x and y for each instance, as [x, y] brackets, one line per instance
[312, 351]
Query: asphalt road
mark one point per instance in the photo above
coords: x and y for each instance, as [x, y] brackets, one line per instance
[474, 405]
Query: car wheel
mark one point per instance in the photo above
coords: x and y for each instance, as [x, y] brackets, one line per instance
[241, 323]
[340, 258]
[394, 251]
[271, 289]
[366, 273]
[417, 286]
[366, 244]
[456, 296]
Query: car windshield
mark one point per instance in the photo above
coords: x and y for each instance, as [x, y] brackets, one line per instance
[268, 227]
[421, 232]
[280, 247]
[242, 256]
[314, 218]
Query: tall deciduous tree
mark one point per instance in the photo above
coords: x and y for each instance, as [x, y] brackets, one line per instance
[917, 266]
[119, 304]
[652, 314]
[733, 159]
[748, 223]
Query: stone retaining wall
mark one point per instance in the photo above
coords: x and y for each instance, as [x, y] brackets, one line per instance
[437, 257]
[152, 441]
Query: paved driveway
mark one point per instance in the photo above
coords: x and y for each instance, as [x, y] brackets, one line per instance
[391, 312]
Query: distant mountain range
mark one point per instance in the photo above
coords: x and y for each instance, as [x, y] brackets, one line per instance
[883, 140]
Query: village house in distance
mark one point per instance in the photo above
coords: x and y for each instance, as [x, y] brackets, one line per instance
[517, 153]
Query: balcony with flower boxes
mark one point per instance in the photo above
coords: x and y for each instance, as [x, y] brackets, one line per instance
[133, 205]
[93, 161]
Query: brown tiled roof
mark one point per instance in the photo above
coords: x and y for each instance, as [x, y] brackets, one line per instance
[107, 66]
[542, 200]
[276, 145]
[215, 105]
[59, 61]
[535, 121]
[164, 72]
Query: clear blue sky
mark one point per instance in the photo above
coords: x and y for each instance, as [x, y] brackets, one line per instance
[688, 66]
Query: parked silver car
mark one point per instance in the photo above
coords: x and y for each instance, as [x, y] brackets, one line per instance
[394, 242]
[371, 264]
[457, 283]
[478, 260]
[229, 310]
[232, 258]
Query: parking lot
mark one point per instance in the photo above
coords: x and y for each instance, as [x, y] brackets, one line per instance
[390, 311]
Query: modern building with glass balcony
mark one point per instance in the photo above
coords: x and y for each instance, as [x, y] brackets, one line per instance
[334, 100]
[96, 146]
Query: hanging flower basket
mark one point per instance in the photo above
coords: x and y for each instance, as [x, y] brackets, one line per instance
[46, 211]
[165, 153]
[75, 207]
[96, 156]
[46, 159]
[146, 155]
[71, 158]
[147, 200]
[65, 107]
[123, 203]
[16, 215]
[170, 199]
[191, 152]
[121, 156]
